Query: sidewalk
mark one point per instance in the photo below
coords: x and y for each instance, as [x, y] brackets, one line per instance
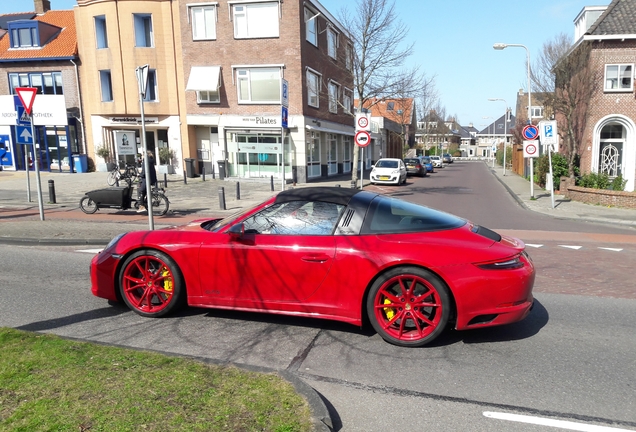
[65, 224]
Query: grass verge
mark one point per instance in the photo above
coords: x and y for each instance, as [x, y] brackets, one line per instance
[48, 383]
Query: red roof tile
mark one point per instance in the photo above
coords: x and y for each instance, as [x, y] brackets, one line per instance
[380, 109]
[63, 45]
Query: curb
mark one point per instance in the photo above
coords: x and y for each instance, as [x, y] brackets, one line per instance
[53, 242]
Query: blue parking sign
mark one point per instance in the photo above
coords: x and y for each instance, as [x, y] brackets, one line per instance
[548, 131]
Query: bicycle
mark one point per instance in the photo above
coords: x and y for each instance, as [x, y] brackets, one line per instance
[121, 198]
[129, 175]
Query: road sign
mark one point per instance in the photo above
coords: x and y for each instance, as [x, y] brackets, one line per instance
[494, 148]
[27, 96]
[548, 132]
[23, 117]
[284, 116]
[23, 134]
[142, 79]
[362, 138]
[530, 132]
[285, 94]
[530, 149]
[362, 122]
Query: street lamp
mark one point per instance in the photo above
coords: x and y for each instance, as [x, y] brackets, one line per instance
[500, 46]
[505, 130]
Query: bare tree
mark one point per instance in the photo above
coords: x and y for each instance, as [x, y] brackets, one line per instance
[566, 75]
[379, 54]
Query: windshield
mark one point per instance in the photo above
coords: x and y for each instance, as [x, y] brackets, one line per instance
[426, 159]
[386, 163]
[411, 160]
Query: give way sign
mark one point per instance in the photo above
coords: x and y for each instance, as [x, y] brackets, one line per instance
[530, 149]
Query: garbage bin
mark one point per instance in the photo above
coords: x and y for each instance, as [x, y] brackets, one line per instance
[81, 163]
[189, 162]
[222, 173]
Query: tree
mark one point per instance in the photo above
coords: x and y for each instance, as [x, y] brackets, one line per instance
[565, 73]
[378, 56]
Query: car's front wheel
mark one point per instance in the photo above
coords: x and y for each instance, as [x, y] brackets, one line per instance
[409, 306]
[151, 283]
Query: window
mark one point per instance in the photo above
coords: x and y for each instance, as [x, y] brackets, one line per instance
[311, 26]
[333, 97]
[24, 37]
[208, 97]
[257, 20]
[258, 85]
[45, 83]
[349, 58]
[143, 30]
[106, 85]
[203, 22]
[536, 112]
[313, 87]
[101, 36]
[346, 100]
[151, 86]
[618, 77]
[610, 160]
[390, 106]
[295, 218]
[332, 42]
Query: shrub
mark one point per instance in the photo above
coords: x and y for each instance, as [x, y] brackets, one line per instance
[166, 156]
[559, 169]
[104, 153]
[618, 184]
[594, 181]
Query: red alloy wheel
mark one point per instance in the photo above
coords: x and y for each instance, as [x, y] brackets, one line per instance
[409, 307]
[151, 283]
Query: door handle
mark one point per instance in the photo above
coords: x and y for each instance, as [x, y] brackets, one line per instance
[316, 258]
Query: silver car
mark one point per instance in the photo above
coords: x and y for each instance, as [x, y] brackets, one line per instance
[437, 161]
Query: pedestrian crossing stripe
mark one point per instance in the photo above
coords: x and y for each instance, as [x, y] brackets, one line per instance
[611, 249]
[571, 247]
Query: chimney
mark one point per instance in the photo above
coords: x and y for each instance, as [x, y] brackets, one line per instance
[42, 6]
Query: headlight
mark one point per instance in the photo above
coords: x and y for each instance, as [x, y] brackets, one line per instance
[114, 240]
[395, 172]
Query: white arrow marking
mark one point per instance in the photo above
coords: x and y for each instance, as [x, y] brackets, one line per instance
[611, 249]
[92, 251]
[534, 245]
[561, 424]
[26, 135]
[571, 247]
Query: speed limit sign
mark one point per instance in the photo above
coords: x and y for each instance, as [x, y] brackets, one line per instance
[530, 149]
[362, 122]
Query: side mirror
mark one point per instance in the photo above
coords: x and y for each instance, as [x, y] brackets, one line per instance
[237, 231]
[372, 166]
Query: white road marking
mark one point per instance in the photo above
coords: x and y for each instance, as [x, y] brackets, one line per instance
[534, 245]
[611, 249]
[571, 247]
[92, 251]
[561, 424]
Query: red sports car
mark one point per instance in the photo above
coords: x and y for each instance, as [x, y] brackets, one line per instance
[333, 253]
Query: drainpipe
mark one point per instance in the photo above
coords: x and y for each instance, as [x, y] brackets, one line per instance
[81, 113]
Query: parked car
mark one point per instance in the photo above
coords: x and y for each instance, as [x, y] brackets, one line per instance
[414, 166]
[437, 161]
[388, 171]
[426, 161]
[447, 158]
[332, 253]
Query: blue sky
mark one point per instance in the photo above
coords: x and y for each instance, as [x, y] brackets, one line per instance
[453, 41]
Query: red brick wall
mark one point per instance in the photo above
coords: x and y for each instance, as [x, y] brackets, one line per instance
[607, 198]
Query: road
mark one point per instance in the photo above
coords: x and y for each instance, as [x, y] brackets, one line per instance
[573, 359]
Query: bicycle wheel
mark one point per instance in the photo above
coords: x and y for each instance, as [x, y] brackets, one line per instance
[87, 205]
[132, 172]
[160, 204]
[113, 176]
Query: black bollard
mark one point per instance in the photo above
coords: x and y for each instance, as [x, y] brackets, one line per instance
[213, 175]
[222, 198]
[271, 182]
[52, 192]
[238, 191]
[353, 184]
[185, 178]
[203, 172]
[117, 182]
[165, 179]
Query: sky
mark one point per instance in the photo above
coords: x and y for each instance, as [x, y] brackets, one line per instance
[453, 43]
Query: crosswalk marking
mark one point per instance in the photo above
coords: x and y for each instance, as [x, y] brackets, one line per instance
[91, 251]
[534, 245]
[571, 247]
[611, 249]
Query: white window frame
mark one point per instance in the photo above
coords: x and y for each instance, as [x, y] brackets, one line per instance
[608, 83]
[347, 99]
[536, 111]
[333, 90]
[247, 76]
[349, 57]
[311, 26]
[207, 34]
[313, 93]
[332, 42]
[244, 11]
[148, 33]
[208, 96]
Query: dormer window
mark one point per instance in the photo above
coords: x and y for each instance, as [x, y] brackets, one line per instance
[30, 34]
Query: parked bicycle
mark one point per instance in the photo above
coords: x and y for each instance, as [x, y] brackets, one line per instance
[128, 174]
[122, 198]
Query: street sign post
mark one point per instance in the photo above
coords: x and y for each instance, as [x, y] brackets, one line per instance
[531, 132]
[548, 132]
[284, 120]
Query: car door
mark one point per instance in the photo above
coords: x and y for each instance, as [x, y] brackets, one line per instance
[284, 255]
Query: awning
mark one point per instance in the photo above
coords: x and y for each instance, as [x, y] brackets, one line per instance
[204, 78]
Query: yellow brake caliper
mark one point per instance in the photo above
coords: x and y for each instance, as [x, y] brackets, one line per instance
[167, 282]
[389, 312]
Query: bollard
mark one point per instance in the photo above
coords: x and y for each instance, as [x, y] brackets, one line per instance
[52, 192]
[353, 184]
[271, 182]
[165, 179]
[337, 185]
[213, 176]
[203, 172]
[222, 198]
[117, 182]
[238, 191]
[185, 178]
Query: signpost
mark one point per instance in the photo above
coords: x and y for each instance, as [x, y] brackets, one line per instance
[284, 101]
[142, 82]
[548, 132]
[531, 132]
[362, 139]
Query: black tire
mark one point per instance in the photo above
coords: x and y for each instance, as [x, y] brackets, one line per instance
[87, 205]
[151, 284]
[422, 324]
[160, 204]
[112, 178]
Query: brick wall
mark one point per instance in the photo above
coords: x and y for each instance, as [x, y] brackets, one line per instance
[607, 198]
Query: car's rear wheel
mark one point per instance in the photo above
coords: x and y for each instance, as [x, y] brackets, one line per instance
[409, 306]
[151, 283]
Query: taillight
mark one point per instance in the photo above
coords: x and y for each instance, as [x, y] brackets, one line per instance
[506, 264]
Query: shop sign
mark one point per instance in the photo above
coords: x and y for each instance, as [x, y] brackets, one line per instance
[133, 120]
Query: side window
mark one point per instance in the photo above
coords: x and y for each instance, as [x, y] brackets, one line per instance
[295, 218]
[311, 24]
